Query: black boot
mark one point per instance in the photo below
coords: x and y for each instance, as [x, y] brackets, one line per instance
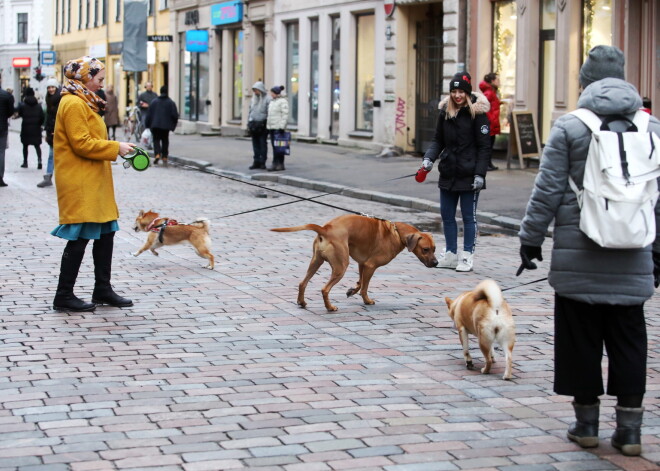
[24, 163]
[255, 165]
[628, 434]
[584, 432]
[72, 257]
[103, 292]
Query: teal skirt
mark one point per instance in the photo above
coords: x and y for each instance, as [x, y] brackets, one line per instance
[85, 230]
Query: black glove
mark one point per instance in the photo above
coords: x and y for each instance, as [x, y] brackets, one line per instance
[527, 254]
[656, 269]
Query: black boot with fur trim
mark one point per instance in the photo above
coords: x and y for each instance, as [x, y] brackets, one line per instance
[584, 431]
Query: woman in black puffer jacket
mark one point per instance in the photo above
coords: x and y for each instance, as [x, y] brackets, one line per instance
[462, 141]
[33, 117]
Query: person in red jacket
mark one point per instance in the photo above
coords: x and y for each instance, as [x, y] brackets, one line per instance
[489, 88]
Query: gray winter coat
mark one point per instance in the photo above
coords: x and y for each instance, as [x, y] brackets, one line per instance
[580, 269]
[259, 104]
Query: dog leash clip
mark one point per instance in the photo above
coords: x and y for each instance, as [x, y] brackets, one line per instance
[139, 160]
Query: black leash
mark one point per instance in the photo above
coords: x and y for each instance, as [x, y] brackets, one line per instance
[292, 195]
[525, 284]
[400, 178]
[300, 198]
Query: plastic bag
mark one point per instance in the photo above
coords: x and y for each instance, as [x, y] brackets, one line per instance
[146, 139]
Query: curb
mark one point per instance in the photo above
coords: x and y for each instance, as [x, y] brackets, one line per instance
[510, 225]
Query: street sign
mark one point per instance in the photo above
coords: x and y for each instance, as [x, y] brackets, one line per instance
[160, 38]
[21, 62]
[48, 57]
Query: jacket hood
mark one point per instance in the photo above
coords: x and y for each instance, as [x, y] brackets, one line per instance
[479, 100]
[260, 86]
[610, 96]
[30, 100]
[483, 86]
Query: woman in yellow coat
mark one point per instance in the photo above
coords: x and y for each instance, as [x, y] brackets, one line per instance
[85, 191]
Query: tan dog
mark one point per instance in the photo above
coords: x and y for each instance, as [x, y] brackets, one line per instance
[484, 313]
[197, 233]
[371, 242]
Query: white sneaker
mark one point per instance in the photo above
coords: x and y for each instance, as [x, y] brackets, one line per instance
[448, 260]
[466, 261]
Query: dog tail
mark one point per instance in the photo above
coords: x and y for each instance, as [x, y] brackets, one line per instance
[203, 223]
[490, 291]
[307, 227]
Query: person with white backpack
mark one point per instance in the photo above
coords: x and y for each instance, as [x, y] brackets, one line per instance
[600, 163]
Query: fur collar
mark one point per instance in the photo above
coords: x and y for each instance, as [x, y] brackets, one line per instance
[479, 101]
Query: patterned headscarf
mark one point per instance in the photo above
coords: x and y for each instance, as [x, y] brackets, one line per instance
[77, 73]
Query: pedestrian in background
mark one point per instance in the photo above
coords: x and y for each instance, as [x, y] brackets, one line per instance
[6, 112]
[278, 115]
[53, 96]
[599, 292]
[489, 88]
[162, 117]
[85, 190]
[257, 125]
[646, 105]
[33, 117]
[462, 143]
[144, 100]
[111, 116]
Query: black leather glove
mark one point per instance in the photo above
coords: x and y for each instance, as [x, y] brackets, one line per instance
[656, 269]
[527, 254]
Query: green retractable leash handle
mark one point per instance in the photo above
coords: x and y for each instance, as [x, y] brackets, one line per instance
[139, 160]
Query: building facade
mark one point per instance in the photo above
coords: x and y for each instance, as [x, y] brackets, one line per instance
[25, 31]
[96, 28]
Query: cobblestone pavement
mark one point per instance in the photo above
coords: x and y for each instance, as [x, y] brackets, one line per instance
[220, 370]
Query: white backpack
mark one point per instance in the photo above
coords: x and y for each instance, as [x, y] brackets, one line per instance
[620, 189]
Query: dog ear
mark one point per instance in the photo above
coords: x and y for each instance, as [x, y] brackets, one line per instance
[448, 301]
[141, 213]
[412, 240]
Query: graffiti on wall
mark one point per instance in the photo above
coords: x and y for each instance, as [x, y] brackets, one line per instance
[400, 119]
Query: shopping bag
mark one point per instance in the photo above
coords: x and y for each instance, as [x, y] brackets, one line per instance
[282, 142]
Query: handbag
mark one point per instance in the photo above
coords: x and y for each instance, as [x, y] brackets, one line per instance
[282, 142]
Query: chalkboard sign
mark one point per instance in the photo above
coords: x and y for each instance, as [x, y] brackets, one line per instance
[527, 135]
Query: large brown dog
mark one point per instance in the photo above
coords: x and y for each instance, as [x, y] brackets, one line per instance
[484, 313]
[197, 233]
[371, 242]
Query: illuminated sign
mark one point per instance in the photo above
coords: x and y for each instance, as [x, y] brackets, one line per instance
[21, 62]
[197, 40]
[226, 13]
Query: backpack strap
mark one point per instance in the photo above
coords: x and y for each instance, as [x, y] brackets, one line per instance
[641, 120]
[589, 118]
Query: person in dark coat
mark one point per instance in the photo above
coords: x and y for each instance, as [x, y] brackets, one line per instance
[162, 117]
[33, 117]
[462, 142]
[111, 116]
[6, 112]
[53, 97]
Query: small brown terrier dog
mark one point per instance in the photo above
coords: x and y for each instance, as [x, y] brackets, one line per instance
[371, 242]
[161, 233]
[483, 312]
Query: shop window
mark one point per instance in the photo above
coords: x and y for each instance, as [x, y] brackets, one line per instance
[292, 71]
[163, 5]
[150, 7]
[118, 10]
[314, 78]
[504, 55]
[237, 103]
[597, 24]
[104, 10]
[68, 16]
[335, 61]
[80, 12]
[96, 13]
[22, 28]
[57, 16]
[364, 80]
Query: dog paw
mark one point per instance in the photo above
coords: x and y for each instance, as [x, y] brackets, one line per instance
[135, 254]
[469, 365]
[209, 267]
[331, 308]
[507, 377]
[302, 304]
[351, 292]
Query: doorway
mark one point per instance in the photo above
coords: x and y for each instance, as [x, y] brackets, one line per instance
[429, 73]
[314, 79]
[334, 74]
[547, 66]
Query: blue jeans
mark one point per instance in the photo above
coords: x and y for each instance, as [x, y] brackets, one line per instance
[448, 202]
[51, 163]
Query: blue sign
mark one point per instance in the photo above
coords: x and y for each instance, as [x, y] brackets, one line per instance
[226, 13]
[48, 57]
[197, 40]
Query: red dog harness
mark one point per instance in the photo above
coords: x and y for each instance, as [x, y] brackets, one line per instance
[153, 227]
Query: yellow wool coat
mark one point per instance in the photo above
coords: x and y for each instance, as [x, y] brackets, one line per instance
[82, 156]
